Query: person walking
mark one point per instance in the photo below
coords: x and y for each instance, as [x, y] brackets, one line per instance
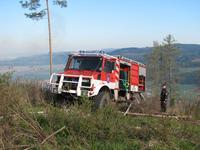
[163, 98]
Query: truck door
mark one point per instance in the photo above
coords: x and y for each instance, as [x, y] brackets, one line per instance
[108, 71]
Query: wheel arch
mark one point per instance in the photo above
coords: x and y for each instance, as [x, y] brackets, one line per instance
[104, 88]
[98, 89]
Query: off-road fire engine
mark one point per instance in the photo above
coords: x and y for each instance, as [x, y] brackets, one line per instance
[101, 77]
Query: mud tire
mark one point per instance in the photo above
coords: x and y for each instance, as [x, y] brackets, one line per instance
[101, 100]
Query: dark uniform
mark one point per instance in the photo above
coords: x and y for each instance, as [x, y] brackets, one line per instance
[163, 99]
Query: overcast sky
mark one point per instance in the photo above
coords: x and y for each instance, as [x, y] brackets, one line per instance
[97, 24]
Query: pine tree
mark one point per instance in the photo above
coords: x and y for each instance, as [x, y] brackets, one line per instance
[153, 67]
[162, 66]
[170, 68]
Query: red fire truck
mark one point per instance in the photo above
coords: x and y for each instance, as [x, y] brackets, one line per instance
[101, 77]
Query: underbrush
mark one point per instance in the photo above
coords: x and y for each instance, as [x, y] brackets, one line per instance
[29, 121]
[187, 106]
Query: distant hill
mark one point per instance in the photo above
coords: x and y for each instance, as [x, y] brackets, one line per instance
[189, 60]
[43, 59]
[190, 56]
[133, 52]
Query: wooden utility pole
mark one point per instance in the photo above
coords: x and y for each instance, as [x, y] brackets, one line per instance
[50, 45]
[36, 13]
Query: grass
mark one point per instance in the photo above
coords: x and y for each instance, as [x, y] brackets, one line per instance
[22, 127]
[107, 129]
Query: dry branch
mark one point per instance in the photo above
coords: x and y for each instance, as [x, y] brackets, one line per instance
[53, 134]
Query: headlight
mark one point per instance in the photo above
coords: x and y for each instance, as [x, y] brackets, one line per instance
[86, 82]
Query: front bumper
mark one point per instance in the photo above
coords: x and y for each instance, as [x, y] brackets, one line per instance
[72, 84]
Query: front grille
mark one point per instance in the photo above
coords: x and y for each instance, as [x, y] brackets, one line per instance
[86, 82]
[69, 86]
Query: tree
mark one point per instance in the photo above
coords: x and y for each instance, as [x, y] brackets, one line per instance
[198, 78]
[170, 54]
[153, 67]
[162, 66]
[37, 13]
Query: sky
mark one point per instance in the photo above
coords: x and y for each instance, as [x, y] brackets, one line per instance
[98, 24]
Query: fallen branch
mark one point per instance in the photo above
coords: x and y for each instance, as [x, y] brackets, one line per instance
[17, 147]
[30, 123]
[47, 138]
[158, 115]
[182, 118]
[53, 134]
[128, 108]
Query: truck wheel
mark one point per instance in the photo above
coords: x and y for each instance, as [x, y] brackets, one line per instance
[101, 100]
[57, 99]
[60, 100]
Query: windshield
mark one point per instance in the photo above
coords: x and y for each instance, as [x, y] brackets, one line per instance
[86, 63]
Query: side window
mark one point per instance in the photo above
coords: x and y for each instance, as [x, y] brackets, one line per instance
[109, 66]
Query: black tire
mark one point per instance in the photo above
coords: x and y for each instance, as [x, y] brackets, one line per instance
[61, 100]
[101, 100]
[57, 99]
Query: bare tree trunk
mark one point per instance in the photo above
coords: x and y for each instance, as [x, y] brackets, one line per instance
[50, 45]
[170, 84]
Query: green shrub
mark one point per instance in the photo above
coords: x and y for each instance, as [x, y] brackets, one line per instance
[5, 78]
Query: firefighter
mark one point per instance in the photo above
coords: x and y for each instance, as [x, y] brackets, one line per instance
[163, 98]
